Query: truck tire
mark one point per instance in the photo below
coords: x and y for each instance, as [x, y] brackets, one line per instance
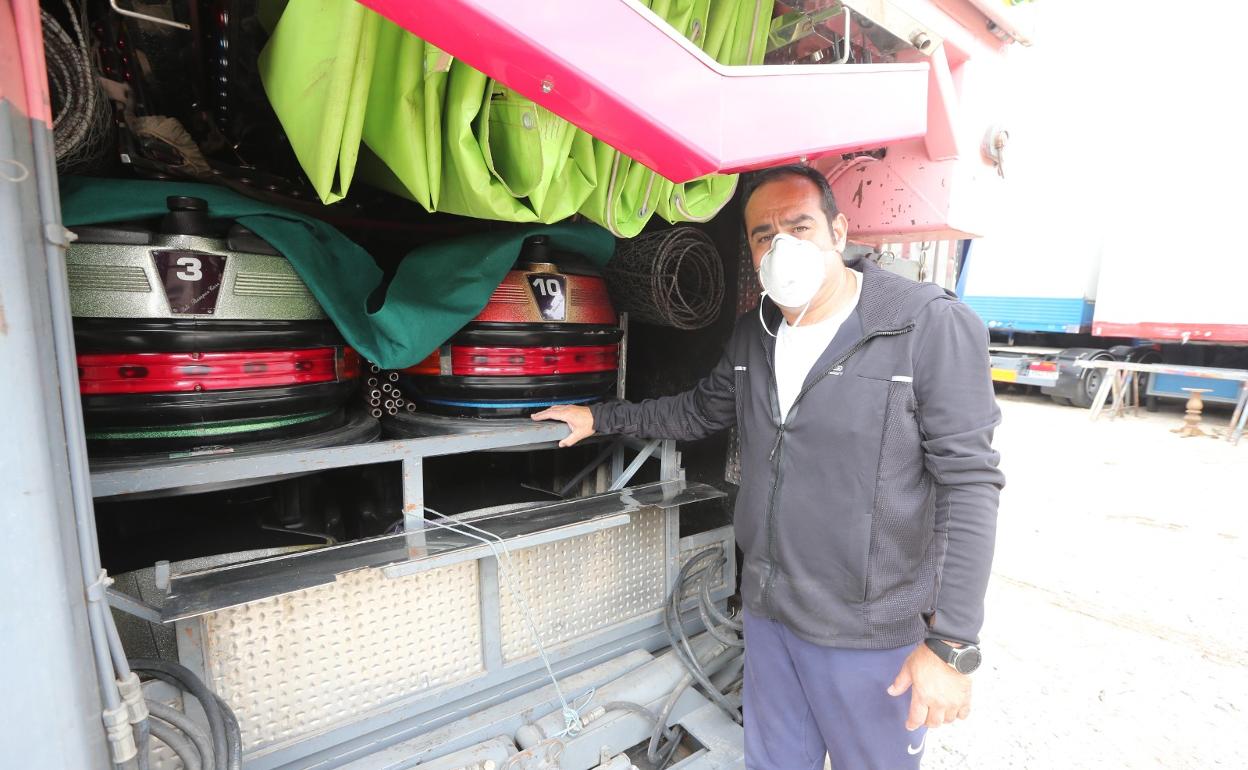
[1145, 355]
[1090, 382]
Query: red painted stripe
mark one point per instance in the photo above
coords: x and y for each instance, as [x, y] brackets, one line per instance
[101, 373]
[482, 361]
[1174, 331]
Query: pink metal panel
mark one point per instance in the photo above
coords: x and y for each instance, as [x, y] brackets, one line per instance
[23, 76]
[940, 187]
[616, 70]
[941, 140]
[1184, 332]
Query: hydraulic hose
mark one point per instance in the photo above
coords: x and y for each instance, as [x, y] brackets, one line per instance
[661, 727]
[680, 641]
[201, 739]
[143, 740]
[233, 736]
[716, 615]
[179, 744]
[715, 631]
[187, 681]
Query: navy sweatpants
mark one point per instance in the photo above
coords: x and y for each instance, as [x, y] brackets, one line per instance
[802, 699]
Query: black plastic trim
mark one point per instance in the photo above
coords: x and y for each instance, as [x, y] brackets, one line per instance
[358, 428]
[557, 386]
[133, 410]
[529, 335]
[285, 433]
[127, 335]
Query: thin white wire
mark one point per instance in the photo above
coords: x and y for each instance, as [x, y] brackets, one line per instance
[572, 721]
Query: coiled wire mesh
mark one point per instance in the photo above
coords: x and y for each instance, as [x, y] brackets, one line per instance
[82, 119]
[673, 277]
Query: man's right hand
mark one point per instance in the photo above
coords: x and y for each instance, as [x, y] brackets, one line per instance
[578, 418]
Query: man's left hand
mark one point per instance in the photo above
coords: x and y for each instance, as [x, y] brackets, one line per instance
[938, 694]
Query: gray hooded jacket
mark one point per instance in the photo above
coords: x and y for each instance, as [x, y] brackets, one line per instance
[868, 517]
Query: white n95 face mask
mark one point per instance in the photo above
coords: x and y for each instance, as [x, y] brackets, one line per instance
[791, 272]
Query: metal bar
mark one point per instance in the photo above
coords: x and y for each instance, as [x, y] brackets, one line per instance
[1098, 403]
[491, 614]
[198, 593]
[1241, 415]
[420, 718]
[211, 470]
[132, 606]
[1240, 375]
[845, 38]
[500, 718]
[602, 457]
[485, 552]
[617, 462]
[41, 579]
[622, 358]
[413, 494]
[670, 470]
[623, 478]
[193, 655]
[145, 17]
[1115, 406]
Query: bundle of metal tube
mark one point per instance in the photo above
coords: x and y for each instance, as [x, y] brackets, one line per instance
[382, 394]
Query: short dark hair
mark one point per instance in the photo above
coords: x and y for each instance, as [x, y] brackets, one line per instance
[757, 179]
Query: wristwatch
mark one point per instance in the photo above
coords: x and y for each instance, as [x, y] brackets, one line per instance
[964, 659]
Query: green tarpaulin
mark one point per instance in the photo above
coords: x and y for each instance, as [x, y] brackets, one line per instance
[438, 288]
[443, 134]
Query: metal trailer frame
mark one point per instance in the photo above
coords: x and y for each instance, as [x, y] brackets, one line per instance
[1012, 366]
[50, 505]
[355, 739]
[46, 621]
[54, 704]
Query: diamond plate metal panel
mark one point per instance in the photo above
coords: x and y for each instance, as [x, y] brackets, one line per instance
[304, 662]
[578, 586]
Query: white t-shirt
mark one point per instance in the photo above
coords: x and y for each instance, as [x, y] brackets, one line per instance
[798, 348]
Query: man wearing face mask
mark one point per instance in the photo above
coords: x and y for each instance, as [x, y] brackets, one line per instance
[868, 501]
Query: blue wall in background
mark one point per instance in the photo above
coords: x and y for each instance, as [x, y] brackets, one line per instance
[1034, 314]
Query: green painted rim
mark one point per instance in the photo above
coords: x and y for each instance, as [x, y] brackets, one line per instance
[225, 428]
